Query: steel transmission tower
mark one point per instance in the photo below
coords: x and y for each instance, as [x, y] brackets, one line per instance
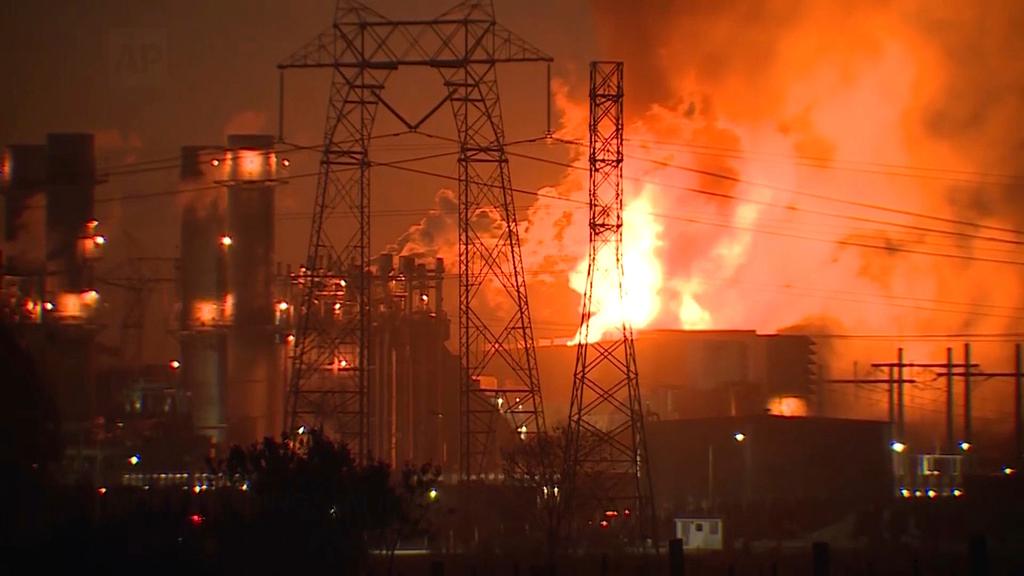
[330, 365]
[607, 451]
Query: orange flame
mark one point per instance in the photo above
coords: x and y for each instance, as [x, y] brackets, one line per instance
[640, 300]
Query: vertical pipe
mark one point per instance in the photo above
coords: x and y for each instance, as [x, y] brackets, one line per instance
[967, 392]
[892, 408]
[711, 477]
[950, 439]
[280, 106]
[1018, 427]
[901, 423]
[548, 132]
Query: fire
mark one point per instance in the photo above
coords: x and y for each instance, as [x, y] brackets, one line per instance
[640, 300]
[691, 314]
[828, 184]
[790, 406]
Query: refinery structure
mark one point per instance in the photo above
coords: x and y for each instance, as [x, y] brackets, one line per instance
[368, 344]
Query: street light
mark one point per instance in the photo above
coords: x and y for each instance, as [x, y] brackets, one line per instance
[739, 436]
[898, 447]
[965, 445]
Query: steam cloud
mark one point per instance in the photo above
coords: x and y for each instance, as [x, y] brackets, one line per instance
[764, 136]
[760, 132]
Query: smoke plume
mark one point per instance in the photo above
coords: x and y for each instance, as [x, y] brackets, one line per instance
[844, 166]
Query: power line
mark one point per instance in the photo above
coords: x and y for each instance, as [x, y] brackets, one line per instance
[707, 192]
[851, 243]
[174, 162]
[882, 168]
[180, 191]
[866, 205]
[410, 212]
[729, 196]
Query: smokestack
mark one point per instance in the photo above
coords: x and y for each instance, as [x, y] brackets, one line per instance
[71, 181]
[24, 178]
[204, 304]
[255, 392]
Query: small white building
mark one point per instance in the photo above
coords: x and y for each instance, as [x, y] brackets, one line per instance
[700, 533]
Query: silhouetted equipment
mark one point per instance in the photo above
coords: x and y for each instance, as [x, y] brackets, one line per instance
[969, 374]
[362, 48]
[138, 277]
[977, 555]
[607, 444]
[780, 461]
[896, 382]
[676, 566]
[49, 291]
[820, 554]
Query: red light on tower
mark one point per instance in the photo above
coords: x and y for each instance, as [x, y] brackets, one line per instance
[196, 519]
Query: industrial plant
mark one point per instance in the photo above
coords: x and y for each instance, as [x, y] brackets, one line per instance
[556, 371]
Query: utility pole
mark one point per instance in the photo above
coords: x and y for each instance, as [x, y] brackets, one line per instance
[897, 409]
[901, 422]
[1018, 426]
[331, 364]
[950, 432]
[889, 383]
[968, 432]
[607, 443]
[970, 376]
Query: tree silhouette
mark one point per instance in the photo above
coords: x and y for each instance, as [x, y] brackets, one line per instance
[313, 502]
